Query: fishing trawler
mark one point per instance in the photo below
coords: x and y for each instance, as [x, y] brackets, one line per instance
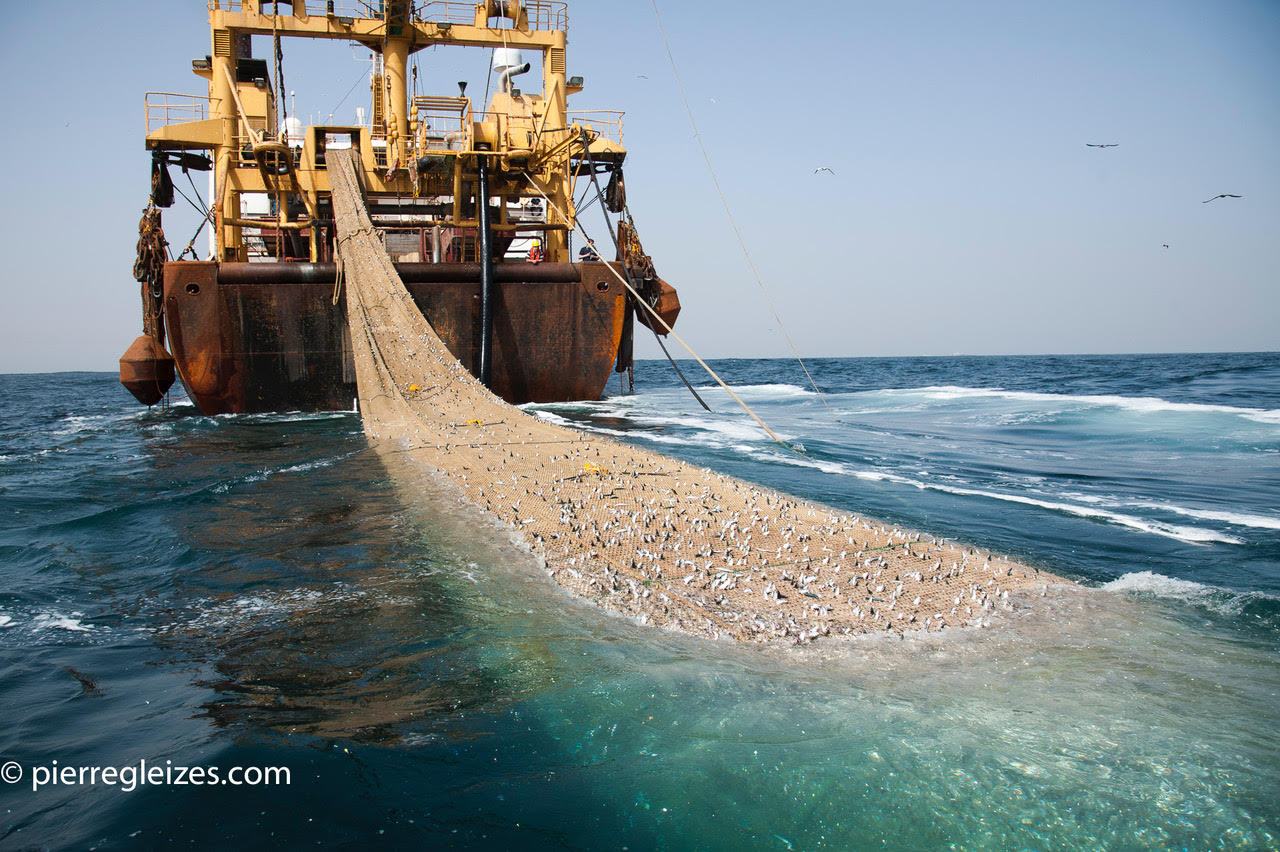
[476, 208]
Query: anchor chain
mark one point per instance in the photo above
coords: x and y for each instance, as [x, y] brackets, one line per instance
[148, 269]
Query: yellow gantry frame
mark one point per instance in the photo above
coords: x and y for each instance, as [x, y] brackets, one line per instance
[539, 165]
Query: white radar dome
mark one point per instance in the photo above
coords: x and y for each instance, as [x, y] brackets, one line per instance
[293, 131]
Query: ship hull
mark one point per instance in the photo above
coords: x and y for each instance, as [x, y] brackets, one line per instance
[260, 337]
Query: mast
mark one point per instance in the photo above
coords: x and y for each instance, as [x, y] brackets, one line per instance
[395, 53]
[222, 106]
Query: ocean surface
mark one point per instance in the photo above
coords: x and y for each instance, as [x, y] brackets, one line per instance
[259, 595]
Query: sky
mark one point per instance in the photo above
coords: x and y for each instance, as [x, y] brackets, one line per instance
[963, 212]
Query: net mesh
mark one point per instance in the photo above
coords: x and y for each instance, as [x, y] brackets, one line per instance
[663, 541]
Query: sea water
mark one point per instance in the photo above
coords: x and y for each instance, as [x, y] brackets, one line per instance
[266, 592]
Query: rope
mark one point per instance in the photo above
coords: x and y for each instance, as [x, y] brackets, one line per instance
[604, 211]
[729, 213]
[337, 278]
[343, 100]
[640, 300]
[281, 102]
[208, 218]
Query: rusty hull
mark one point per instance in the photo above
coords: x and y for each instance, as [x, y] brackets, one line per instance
[257, 337]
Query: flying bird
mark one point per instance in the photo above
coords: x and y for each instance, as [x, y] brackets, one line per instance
[1102, 144]
[1223, 195]
[822, 169]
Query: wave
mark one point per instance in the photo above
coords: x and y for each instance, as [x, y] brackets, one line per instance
[1187, 534]
[645, 424]
[666, 426]
[1140, 404]
[268, 472]
[48, 625]
[255, 610]
[1238, 519]
[1223, 601]
[1190, 535]
[59, 621]
[764, 391]
[82, 424]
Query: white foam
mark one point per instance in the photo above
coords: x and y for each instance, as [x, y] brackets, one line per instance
[1158, 584]
[587, 426]
[263, 607]
[1191, 535]
[763, 391]
[268, 472]
[58, 621]
[74, 424]
[1238, 519]
[739, 434]
[707, 431]
[1224, 601]
[319, 464]
[1141, 404]
[6, 621]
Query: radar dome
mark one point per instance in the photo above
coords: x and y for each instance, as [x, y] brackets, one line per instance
[293, 132]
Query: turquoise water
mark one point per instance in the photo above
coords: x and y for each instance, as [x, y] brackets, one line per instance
[266, 591]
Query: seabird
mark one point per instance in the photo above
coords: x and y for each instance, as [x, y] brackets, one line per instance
[822, 169]
[1223, 195]
[1102, 145]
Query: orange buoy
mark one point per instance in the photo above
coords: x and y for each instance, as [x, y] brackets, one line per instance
[146, 370]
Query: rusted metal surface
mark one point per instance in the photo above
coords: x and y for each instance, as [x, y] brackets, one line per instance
[666, 305]
[660, 295]
[410, 273]
[146, 370]
[200, 347]
[267, 337]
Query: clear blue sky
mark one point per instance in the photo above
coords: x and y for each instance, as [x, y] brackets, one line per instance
[966, 213]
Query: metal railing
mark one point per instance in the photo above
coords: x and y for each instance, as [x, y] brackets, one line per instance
[606, 123]
[445, 12]
[341, 8]
[165, 108]
[444, 124]
[548, 15]
[542, 14]
[244, 143]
